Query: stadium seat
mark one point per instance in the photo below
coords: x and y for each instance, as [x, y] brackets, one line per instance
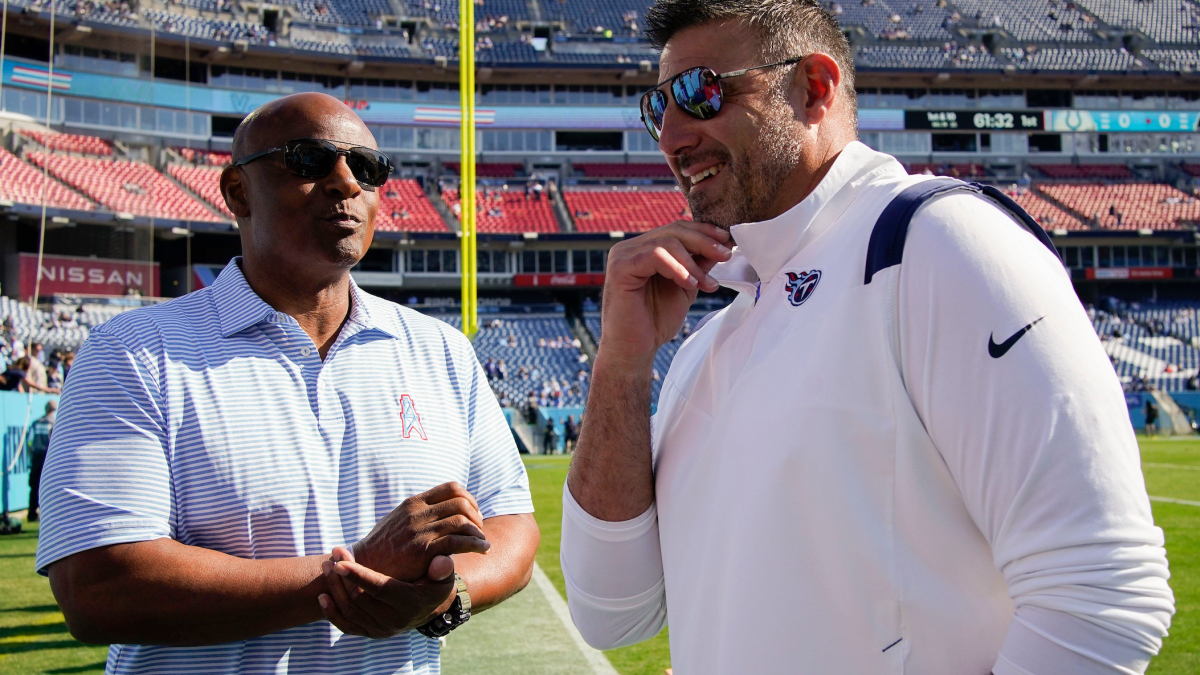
[129, 187]
[84, 145]
[403, 207]
[204, 181]
[624, 210]
[489, 169]
[1127, 206]
[561, 364]
[209, 157]
[20, 182]
[1113, 171]
[656, 170]
[507, 211]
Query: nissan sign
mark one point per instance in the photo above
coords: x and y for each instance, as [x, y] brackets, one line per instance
[87, 276]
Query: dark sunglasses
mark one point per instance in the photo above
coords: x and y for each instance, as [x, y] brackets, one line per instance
[696, 90]
[316, 157]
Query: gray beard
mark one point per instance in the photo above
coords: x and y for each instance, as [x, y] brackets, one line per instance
[756, 176]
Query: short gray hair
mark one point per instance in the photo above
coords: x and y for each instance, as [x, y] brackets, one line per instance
[787, 28]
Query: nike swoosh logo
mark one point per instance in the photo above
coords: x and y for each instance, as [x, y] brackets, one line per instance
[998, 350]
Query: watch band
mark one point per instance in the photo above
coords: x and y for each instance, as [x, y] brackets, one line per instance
[456, 615]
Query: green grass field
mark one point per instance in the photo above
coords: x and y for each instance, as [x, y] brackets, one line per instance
[34, 639]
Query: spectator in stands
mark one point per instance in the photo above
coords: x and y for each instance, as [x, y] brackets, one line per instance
[966, 531]
[501, 370]
[16, 378]
[37, 369]
[236, 597]
[39, 443]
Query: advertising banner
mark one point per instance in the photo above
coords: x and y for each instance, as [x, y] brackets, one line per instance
[87, 276]
[1117, 273]
[560, 280]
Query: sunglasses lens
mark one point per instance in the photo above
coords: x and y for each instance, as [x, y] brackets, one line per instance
[698, 91]
[311, 159]
[369, 167]
[654, 107]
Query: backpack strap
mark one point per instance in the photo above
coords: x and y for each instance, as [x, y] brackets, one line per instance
[886, 247]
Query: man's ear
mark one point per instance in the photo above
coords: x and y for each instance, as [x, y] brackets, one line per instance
[234, 190]
[814, 88]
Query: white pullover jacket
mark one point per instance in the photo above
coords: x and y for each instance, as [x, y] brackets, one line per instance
[879, 478]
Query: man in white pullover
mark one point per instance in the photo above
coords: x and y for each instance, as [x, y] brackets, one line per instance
[900, 450]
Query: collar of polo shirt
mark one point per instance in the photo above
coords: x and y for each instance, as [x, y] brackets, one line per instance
[239, 307]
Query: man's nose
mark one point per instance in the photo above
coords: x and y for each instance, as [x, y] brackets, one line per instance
[341, 180]
[680, 131]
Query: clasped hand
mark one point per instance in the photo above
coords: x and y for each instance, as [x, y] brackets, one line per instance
[401, 574]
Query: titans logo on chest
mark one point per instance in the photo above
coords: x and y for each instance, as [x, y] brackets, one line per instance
[800, 286]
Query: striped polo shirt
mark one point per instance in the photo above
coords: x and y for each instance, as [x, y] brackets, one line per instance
[212, 419]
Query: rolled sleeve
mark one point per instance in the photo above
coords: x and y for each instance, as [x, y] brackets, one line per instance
[616, 590]
[106, 479]
[1037, 439]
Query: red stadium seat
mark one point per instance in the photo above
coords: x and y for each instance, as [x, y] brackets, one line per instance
[209, 157]
[84, 145]
[22, 183]
[656, 170]
[1113, 171]
[204, 181]
[624, 210]
[506, 211]
[1140, 205]
[122, 186]
[403, 207]
[489, 170]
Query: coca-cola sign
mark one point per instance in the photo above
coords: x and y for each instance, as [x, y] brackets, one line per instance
[558, 280]
[87, 276]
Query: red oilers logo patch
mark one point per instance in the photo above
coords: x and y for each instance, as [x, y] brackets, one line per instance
[800, 286]
[410, 420]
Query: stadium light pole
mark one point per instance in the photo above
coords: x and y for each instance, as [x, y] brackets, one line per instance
[466, 169]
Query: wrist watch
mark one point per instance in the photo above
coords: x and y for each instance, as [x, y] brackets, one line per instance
[458, 613]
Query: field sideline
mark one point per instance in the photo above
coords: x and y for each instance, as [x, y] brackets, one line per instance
[33, 636]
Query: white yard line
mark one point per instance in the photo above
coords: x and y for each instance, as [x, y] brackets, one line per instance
[1171, 466]
[1173, 501]
[595, 658]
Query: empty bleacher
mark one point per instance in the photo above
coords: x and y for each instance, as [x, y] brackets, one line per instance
[971, 170]
[20, 182]
[507, 211]
[84, 145]
[209, 29]
[1081, 60]
[1127, 206]
[1031, 21]
[1091, 171]
[909, 57]
[1046, 214]
[489, 169]
[124, 187]
[403, 207]
[665, 354]
[894, 19]
[204, 181]
[624, 210]
[1169, 21]
[656, 170]
[209, 157]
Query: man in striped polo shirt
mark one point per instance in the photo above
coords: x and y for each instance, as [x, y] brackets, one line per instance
[211, 452]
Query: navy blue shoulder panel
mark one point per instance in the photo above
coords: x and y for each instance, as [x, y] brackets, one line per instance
[886, 247]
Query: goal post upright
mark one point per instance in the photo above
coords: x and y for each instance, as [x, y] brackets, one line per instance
[466, 170]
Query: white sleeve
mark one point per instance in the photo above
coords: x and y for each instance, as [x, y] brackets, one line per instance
[614, 576]
[1037, 438]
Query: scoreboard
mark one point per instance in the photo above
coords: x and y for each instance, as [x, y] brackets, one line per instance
[975, 120]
